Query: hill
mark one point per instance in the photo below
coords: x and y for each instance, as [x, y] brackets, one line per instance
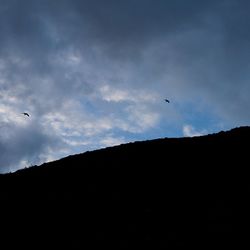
[163, 193]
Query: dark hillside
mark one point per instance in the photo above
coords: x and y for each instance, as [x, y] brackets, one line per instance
[186, 192]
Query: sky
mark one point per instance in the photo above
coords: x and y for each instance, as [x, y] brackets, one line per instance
[94, 73]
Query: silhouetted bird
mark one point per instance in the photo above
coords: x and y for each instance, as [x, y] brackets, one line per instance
[166, 100]
[25, 114]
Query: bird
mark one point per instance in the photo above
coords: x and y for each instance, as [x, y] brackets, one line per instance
[166, 100]
[25, 114]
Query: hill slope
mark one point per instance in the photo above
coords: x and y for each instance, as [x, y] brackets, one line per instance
[156, 194]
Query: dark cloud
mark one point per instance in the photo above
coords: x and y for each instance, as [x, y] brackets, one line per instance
[24, 146]
[53, 52]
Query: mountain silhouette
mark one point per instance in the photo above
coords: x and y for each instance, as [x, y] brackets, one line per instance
[157, 194]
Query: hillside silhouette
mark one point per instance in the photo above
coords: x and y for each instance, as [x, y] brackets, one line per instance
[157, 194]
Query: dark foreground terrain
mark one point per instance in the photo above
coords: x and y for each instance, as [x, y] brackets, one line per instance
[159, 194]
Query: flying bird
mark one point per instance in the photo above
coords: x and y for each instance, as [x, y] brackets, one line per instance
[25, 114]
[166, 100]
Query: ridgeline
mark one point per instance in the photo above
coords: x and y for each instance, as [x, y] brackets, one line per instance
[158, 194]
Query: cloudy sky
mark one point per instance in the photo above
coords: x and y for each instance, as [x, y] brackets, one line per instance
[95, 73]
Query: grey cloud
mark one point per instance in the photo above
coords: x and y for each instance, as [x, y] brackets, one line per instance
[24, 143]
[121, 28]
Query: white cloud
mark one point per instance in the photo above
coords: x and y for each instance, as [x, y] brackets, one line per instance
[114, 95]
[190, 131]
[9, 115]
[111, 141]
[141, 118]
[117, 94]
